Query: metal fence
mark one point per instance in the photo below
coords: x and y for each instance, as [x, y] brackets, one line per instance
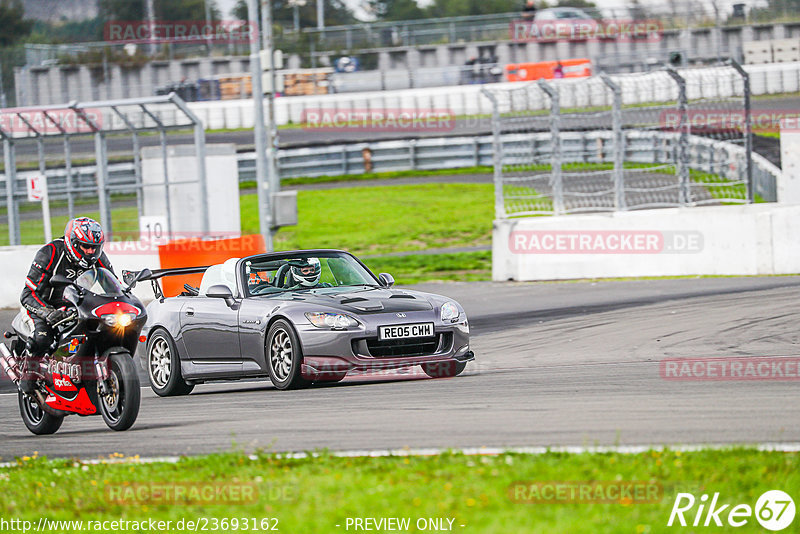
[591, 158]
[51, 126]
[643, 147]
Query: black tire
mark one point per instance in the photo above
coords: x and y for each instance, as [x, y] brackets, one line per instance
[37, 420]
[284, 356]
[447, 369]
[165, 375]
[121, 408]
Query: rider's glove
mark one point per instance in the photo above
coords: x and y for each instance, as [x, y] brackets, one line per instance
[55, 316]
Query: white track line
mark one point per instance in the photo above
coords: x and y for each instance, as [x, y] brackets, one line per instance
[470, 451]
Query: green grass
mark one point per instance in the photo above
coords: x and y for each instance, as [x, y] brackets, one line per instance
[304, 180]
[461, 267]
[380, 220]
[316, 494]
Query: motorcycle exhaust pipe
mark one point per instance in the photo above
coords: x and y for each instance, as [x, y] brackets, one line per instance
[8, 363]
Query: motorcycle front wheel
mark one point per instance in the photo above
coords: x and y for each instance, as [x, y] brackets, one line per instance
[120, 406]
[37, 420]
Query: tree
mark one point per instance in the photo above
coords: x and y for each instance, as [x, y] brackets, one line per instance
[13, 24]
[396, 9]
[164, 9]
[336, 13]
[457, 8]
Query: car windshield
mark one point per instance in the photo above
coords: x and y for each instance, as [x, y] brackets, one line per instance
[100, 282]
[297, 272]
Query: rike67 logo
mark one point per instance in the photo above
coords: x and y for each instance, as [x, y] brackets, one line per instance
[774, 510]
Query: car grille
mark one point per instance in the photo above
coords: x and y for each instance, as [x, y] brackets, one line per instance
[408, 347]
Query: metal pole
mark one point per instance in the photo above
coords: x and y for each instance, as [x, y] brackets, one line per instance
[321, 16]
[47, 226]
[11, 201]
[150, 14]
[619, 143]
[497, 156]
[200, 154]
[3, 103]
[101, 157]
[67, 162]
[555, 153]
[258, 130]
[748, 130]
[162, 139]
[208, 23]
[48, 229]
[273, 178]
[137, 160]
[68, 169]
[683, 141]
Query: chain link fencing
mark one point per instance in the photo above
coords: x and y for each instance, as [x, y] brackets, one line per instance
[636, 141]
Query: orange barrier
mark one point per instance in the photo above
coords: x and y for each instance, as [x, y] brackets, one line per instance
[573, 68]
[198, 252]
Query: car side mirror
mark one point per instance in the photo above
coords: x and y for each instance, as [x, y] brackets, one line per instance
[387, 280]
[221, 291]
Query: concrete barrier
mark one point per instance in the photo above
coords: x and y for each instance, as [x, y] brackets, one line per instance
[720, 240]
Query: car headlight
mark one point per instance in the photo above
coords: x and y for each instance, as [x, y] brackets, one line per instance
[334, 321]
[118, 319]
[450, 312]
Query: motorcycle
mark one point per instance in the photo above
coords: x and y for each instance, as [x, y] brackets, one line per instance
[90, 370]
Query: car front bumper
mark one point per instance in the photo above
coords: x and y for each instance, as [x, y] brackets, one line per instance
[331, 354]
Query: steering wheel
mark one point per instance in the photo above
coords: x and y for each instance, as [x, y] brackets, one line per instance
[256, 288]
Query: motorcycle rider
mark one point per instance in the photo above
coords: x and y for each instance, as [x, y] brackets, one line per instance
[79, 250]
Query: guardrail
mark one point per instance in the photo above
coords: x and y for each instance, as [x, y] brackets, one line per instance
[444, 153]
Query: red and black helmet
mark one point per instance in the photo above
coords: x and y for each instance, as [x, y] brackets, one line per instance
[84, 239]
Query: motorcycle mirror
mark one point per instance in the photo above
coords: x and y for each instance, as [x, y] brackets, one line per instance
[143, 275]
[60, 280]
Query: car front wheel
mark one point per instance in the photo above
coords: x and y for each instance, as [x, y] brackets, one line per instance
[284, 356]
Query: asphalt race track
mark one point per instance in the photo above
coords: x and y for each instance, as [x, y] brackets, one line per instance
[557, 364]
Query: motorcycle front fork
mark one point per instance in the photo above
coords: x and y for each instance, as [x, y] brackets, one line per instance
[101, 371]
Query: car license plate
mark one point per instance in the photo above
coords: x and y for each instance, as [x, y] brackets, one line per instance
[402, 331]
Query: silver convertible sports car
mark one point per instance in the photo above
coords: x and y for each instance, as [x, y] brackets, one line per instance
[297, 317]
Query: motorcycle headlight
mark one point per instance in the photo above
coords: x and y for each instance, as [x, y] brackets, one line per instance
[334, 321]
[118, 319]
[450, 312]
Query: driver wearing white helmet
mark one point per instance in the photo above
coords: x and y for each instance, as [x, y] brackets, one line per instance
[305, 275]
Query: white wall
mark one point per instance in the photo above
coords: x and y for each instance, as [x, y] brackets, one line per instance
[719, 240]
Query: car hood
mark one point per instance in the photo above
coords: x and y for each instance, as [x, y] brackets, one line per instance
[364, 301]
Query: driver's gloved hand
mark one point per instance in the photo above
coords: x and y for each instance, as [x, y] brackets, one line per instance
[54, 316]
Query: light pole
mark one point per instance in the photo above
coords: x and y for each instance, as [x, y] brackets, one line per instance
[262, 186]
[272, 131]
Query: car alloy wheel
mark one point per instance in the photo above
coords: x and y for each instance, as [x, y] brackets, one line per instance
[280, 354]
[160, 365]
